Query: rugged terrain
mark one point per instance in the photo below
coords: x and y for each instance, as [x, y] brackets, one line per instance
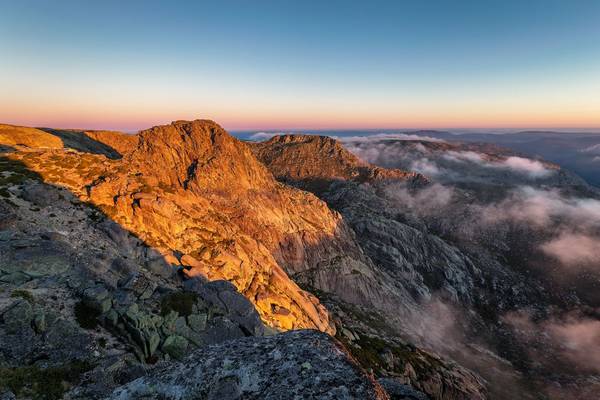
[117, 253]
[173, 263]
[480, 250]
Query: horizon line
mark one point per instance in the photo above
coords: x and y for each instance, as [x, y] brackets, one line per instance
[575, 129]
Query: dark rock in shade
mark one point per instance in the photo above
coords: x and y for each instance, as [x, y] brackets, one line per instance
[39, 321]
[98, 298]
[18, 317]
[399, 391]
[297, 364]
[175, 346]
[222, 297]
[39, 195]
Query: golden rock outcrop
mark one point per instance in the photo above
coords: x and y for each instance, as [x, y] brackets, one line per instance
[202, 199]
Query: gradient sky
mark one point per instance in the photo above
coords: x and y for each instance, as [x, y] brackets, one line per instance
[291, 65]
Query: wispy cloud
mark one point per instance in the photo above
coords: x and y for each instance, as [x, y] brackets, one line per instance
[595, 149]
[267, 135]
[575, 337]
[574, 249]
[527, 166]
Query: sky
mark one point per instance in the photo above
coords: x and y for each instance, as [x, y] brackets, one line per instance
[263, 65]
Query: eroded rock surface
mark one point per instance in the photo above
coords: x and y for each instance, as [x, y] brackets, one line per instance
[292, 365]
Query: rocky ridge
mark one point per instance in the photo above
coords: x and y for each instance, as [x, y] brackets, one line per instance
[88, 304]
[317, 161]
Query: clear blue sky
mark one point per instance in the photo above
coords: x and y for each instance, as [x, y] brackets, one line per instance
[322, 64]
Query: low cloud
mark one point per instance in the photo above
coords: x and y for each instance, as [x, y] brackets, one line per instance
[425, 201]
[436, 161]
[573, 337]
[595, 149]
[259, 136]
[464, 156]
[574, 249]
[427, 167]
[571, 225]
[540, 208]
[527, 166]
[533, 168]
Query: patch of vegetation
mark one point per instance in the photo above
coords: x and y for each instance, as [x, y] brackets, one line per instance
[182, 302]
[369, 351]
[102, 342]
[24, 294]
[86, 316]
[42, 383]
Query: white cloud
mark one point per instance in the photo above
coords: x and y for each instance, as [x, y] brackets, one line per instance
[429, 199]
[595, 149]
[541, 207]
[576, 337]
[574, 249]
[462, 156]
[528, 166]
[259, 136]
[425, 167]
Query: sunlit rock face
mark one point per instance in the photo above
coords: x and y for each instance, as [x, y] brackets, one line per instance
[314, 162]
[201, 198]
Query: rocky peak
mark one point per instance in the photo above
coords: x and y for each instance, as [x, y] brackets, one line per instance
[197, 155]
[315, 161]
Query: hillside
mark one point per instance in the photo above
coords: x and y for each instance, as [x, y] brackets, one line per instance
[479, 249]
[165, 254]
[135, 247]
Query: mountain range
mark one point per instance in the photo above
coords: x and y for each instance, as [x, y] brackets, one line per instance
[182, 262]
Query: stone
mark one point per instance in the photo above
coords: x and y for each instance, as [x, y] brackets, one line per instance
[175, 346]
[18, 317]
[112, 317]
[258, 368]
[15, 278]
[197, 322]
[152, 342]
[98, 298]
[399, 391]
[39, 321]
[169, 320]
[40, 195]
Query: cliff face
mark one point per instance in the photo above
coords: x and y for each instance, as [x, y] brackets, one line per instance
[97, 229]
[200, 198]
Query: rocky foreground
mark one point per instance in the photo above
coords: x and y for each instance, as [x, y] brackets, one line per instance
[127, 256]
